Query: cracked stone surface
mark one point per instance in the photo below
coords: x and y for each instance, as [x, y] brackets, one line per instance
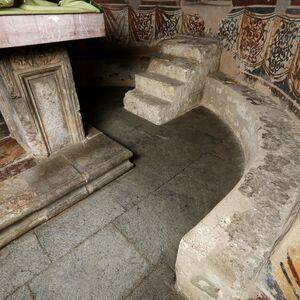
[252, 217]
[121, 242]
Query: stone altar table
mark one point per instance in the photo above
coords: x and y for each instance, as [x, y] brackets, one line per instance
[40, 107]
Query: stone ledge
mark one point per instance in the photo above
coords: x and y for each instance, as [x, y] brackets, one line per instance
[38, 194]
[221, 257]
[24, 30]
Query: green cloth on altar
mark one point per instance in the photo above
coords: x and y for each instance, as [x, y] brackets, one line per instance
[6, 3]
[46, 7]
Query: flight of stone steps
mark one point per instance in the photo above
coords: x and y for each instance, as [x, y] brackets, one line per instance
[174, 80]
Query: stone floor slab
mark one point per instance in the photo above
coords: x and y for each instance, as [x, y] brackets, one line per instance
[173, 296]
[67, 230]
[143, 227]
[157, 285]
[133, 187]
[20, 261]
[157, 224]
[176, 181]
[104, 267]
[22, 293]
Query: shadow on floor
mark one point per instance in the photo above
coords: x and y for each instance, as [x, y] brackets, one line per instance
[182, 170]
[121, 242]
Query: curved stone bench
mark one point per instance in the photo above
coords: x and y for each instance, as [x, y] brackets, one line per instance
[221, 257]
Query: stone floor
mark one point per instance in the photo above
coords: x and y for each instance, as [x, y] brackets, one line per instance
[121, 242]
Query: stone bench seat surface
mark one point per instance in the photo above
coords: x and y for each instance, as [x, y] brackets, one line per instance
[221, 257]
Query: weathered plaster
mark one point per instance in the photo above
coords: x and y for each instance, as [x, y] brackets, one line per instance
[221, 257]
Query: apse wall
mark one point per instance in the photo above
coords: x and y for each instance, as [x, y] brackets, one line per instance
[262, 41]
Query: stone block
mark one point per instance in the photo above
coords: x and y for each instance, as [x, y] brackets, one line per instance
[104, 267]
[151, 108]
[22, 293]
[38, 99]
[163, 217]
[133, 187]
[65, 231]
[40, 193]
[20, 262]
[204, 50]
[96, 156]
[173, 67]
[159, 86]
[35, 188]
[106, 178]
[177, 76]
[34, 219]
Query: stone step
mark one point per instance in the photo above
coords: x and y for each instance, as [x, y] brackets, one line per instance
[159, 86]
[174, 67]
[191, 48]
[146, 106]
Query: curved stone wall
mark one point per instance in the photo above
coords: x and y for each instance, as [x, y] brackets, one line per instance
[222, 256]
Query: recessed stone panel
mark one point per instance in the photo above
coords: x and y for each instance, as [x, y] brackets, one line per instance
[38, 99]
[47, 103]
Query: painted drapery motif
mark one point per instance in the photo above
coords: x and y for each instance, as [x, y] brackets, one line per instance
[149, 24]
[116, 23]
[266, 45]
[141, 24]
[168, 23]
[294, 76]
[192, 24]
[282, 48]
[253, 39]
[229, 30]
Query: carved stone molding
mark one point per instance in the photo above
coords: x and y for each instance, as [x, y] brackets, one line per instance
[41, 105]
[9, 80]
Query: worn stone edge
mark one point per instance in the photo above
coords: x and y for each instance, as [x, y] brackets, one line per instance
[209, 237]
[53, 208]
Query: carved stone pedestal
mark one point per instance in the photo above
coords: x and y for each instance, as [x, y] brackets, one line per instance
[38, 99]
[39, 103]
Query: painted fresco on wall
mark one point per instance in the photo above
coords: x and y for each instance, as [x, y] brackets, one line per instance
[294, 75]
[253, 38]
[282, 271]
[266, 44]
[282, 48]
[149, 24]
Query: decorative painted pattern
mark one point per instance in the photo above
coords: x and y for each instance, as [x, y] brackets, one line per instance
[294, 76]
[148, 24]
[282, 47]
[229, 30]
[253, 37]
[141, 24]
[283, 275]
[168, 23]
[266, 46]
[116, 22]
[192, 24]
[253, 2]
